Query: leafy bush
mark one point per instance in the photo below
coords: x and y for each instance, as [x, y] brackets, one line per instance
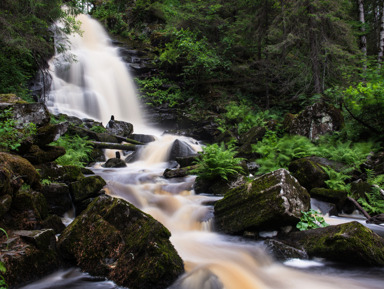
[311, 220]
[3, 284]
[77, 150]
[244, 117]
[98, 129]
[218, 162]
[278, 152]
[10, 137]
[157, 90]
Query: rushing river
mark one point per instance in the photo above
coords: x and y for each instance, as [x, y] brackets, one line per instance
[98, 85]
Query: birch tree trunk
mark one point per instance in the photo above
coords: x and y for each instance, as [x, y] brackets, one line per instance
[381, 39]
[363, 38]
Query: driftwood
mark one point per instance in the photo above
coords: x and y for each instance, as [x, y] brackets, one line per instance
[114, 146]
[357, 205]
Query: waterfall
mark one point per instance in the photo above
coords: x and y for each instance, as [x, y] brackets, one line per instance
[90, 80]
[97, 85]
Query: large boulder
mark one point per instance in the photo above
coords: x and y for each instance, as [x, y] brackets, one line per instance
[350, 243]
[268, 202]
[24, 113]
[39, 155]
[316, 120]
[49, 133]
[123, 244]
[180, 148]
[120, 128]
[309, 173]
[28, 255]
[20, 168]
[58, 198]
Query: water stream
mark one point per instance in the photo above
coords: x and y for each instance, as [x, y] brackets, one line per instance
[97, 86]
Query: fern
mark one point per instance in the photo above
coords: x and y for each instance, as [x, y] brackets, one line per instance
[77, 150]
[218, 162]
[279, 152]
[337, 179]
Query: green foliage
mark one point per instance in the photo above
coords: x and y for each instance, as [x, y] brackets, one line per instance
[244, 117]
[45, 182]
[337, 179]
[3, 284]
[278, 152]
[98, 129]
[11, 135]
[216, 161]
[198, 58]
[77, 150]
[157, 90]
[373, 202]
[311, 220]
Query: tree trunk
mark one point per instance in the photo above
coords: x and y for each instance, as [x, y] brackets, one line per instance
[363, 37]
[314, 47]
[381, 39]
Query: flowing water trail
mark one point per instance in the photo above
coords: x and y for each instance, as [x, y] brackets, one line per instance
[98, 85]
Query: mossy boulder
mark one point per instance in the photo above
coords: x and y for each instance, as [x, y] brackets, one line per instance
[24, 113]
[314, 121]
[350, 243]
[123, 244]
[115, 163]
[28, 255]
[86, 188]
[37, 155]
[337, 197]
[20, 168]
[83, 132]
[49, 133]
[62, 174]
[246, 140]
[268, 202]
[309, 173]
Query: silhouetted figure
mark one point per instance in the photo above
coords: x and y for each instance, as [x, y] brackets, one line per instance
[111, 122]
[117, 155]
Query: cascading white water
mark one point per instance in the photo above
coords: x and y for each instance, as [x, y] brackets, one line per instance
[97, 86]
[90, 80]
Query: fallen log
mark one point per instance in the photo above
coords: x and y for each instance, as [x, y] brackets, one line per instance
[114, 146]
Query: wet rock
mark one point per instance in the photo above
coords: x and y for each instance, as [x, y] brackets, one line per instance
[58, 198]
[29, 255]
[350, 243]
[180, 149]
[268, 202]
[336, 197]
[123, 244]
[178, 172]
[53, 222]
[19, 167]
[282, 251]
[378, 219]
[143, 138]
[186, 161]
[309, 173]
[86, 188]
[115, 163]
[37, 155]
[316, 120]
[120, 128]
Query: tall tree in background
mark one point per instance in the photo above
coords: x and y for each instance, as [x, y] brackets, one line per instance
[381, 37]
[363, 37]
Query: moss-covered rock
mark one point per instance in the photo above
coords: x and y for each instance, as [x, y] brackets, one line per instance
[24, 113]
[350, 243]
[123, 244]
[20, 168]
[37, 155]
[336, 197]
[49, 133]
[86, 188]
[309, 173]
[63, 174]
[29, 255]
[267, 203]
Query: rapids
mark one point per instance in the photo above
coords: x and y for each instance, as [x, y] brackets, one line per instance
[97, 85]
